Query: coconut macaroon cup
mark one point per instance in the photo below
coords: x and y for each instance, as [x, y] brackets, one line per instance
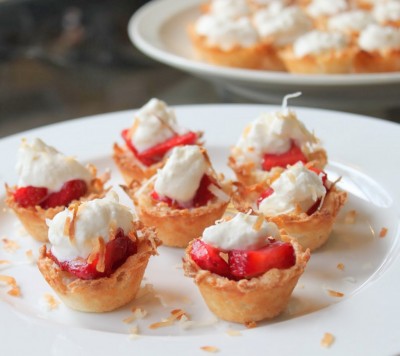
[183, 198]
[48, 182]
[320, 52]
[301, 201]
[245, 269]
[379, 50]
[98, 255]
[271, 142]
[232, 42]
[154, 133]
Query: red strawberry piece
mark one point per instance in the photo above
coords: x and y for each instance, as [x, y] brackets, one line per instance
[157, 197]
[208, 258]
[253, 263]
[117, 251]
[145, 161]
[292, 156]
[71, 190]
[265, 194]
[156, 153]
[203, 194]
[30, 196]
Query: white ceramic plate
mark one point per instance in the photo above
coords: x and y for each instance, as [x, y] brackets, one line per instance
[365, 320]
[159, 30]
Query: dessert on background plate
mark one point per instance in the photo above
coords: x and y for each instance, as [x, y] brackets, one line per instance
[98, 254]
[299, 36]
[271, 142]
[155, 131]
[302, 201]
[245, 268]
[183, 198]
[48, 182]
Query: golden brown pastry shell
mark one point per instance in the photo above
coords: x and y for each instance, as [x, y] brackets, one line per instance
[176, 227]
[34, 218]
[107, 293]
[370, 62]
[259, 56]
[312, 231]
[247, 174]
[130, 167]
[334, 62]
[251, 300]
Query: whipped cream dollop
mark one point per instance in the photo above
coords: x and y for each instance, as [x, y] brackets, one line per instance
[284, 27]
[240, 233]
[95, 218]
[154, 123]
[318, 42]
[297, 186]
[273, 133]
[226, 33]
[351, 21]
[230, 8]
[40, 165]
[326, 7]
[379, 38]
[180, 178]
[387, 12]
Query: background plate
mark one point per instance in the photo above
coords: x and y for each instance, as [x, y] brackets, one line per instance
[159, 30]
[364, 321]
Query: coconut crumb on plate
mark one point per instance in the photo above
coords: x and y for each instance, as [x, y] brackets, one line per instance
[334, 293]
[9, 245]
[232, 332]
[176, 314]
[383, 232]
[138, 313]
[327, 340]
[340, 266]
[211, 349]
[11, 282]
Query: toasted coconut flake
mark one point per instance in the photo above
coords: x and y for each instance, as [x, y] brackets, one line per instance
[232, 332]
[250, 324]
[112, 229]
[10, 281]
[350, 217]
[176, 314]
[211, 349]
[327, 340]
[138, 313]
[9, 245]
[383, 232]
[340, 266]
[258, 224]
[219, 193]
[334, 293]
[71, 228]
[51, 302]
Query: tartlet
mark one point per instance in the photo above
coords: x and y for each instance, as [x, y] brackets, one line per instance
[33, 217]
[156, 128]
[177, 225]
[106, 291]
[311, 228]
[247, 300]
[260, 158]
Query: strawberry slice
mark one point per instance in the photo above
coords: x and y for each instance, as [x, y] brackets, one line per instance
[292, 156]
[71, 190]
[117, 251]
[30, 196]
[253, 263]
[156, 153]
[265, 194]
[207, 257]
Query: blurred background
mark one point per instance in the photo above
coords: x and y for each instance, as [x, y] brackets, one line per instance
[64, 59]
